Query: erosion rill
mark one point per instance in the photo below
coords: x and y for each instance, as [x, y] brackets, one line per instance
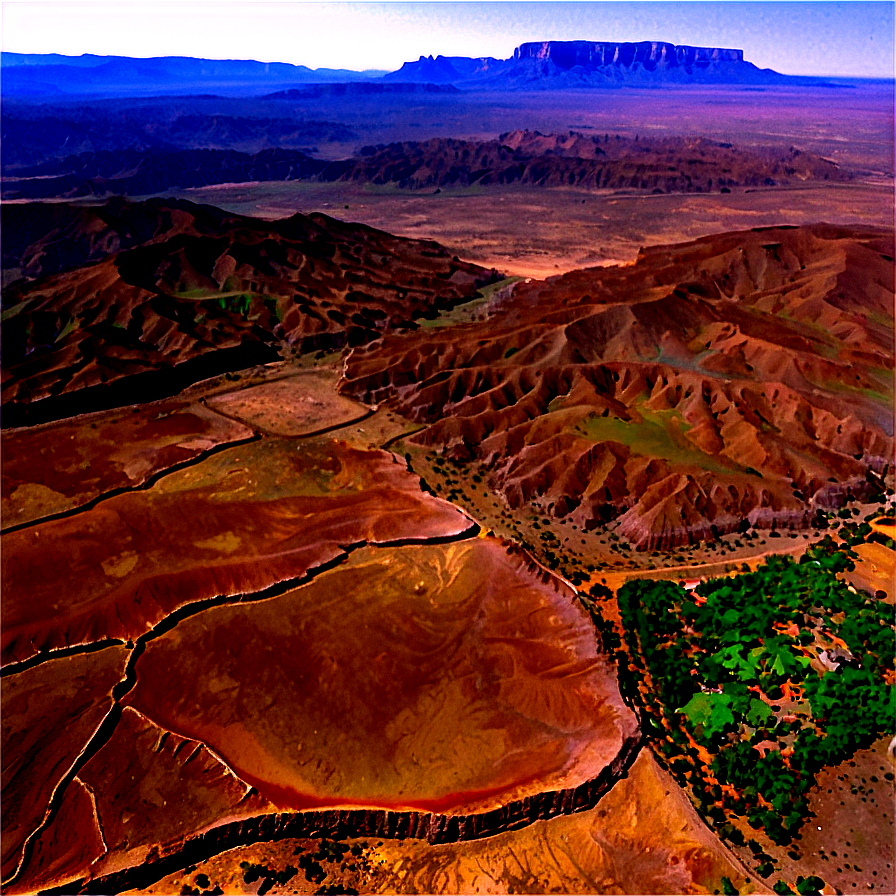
[281, 637]
[233, 619]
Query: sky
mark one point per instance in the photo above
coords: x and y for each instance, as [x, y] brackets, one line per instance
[853, 39]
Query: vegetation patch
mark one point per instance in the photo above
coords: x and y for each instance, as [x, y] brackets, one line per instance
[750, 685]
[475, 308]
[656, 433]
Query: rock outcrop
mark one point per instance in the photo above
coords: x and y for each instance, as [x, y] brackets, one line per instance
[585, 63]
[744, 379]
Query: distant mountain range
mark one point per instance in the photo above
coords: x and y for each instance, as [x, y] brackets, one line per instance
[27, 74]
[536, 65]
[687, 165]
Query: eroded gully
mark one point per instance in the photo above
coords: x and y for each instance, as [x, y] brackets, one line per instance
[334, 823]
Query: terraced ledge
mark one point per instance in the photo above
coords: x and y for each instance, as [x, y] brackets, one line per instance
[324, 430]
[104, 731]
[142, 487]
[57, 653]
[342, 823]
[306, 503]
[275, 590]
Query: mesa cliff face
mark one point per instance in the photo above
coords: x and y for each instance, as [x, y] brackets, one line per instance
[586, 63]
[650, 54]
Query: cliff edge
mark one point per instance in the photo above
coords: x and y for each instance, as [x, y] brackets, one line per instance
[585, 63]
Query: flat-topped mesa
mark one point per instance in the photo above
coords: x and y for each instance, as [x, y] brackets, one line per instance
[558, 64]
[566, 54]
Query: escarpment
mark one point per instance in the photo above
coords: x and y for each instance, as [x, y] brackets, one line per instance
[588, 63]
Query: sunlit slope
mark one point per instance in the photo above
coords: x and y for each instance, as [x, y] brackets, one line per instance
[742, 379]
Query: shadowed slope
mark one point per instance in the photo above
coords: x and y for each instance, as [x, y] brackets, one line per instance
[202, 292]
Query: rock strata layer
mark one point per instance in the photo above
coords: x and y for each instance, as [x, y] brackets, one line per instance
[586, 63]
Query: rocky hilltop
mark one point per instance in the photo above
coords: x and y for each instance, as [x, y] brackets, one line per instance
[585, 63]
[742, 380]
[135, 298]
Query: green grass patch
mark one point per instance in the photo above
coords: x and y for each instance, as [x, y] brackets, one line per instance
[488, 292]
[13, 310]
[70, 325]
[466, 311]
[233, 302]
[657, 433]
[881, 392]
[203, 293]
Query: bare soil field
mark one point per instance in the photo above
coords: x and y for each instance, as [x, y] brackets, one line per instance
[47, 473]
[300, 405]
[849, 841]
[540, 232]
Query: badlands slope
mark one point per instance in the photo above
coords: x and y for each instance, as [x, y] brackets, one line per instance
[740, 380]
[179, 292]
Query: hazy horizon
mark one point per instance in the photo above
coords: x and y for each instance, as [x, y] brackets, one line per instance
[852, 39]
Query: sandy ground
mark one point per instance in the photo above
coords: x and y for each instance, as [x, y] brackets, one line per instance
[538, 232]
[643, 837]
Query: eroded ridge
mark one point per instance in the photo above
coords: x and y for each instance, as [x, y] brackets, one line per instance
[50, 714]
[203, 292]
[741, 380]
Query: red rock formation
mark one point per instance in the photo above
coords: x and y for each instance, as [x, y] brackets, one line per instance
[740, 379]
[67, 846]
[153, 788]
[248, 519]
[205, 292]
